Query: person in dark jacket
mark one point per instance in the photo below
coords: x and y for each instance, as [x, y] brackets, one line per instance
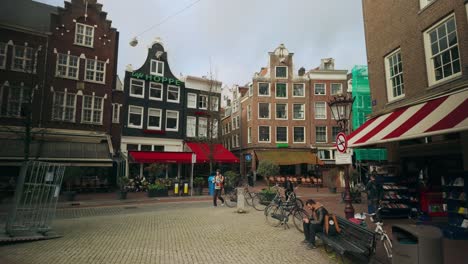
[373, 194]
[288, 187]
[314, 224]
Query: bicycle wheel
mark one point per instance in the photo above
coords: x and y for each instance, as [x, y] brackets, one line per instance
[388, 246]
[257, 202]
[298, 215]
[230, 199]
[274, 215]
[299, 203]
[248, 198]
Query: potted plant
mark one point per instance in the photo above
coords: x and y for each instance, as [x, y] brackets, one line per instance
[267, 168]
[198, 183]
[266, 195]
[330, 180]
[157, 189]
[122, 182]
[71, 175]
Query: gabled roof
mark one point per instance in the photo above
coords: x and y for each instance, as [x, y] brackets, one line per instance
[27, 14]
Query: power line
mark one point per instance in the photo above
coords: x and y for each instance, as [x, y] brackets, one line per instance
[169, 17]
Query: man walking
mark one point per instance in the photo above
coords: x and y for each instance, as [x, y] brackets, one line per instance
[218, 181]
[372, 194]
[315, 224]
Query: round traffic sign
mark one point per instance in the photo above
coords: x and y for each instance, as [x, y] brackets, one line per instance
[341, 142]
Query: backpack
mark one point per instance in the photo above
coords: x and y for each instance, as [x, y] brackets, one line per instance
[331, 225]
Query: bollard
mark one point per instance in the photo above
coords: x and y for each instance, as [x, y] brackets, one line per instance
[186, 188]
[240, 200]
[176, 188]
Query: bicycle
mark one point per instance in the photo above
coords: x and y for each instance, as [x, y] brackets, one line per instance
[375, 218]
[260, 202]
[230, 197]
[279, 211]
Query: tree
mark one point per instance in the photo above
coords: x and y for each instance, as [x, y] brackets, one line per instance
[267, 168]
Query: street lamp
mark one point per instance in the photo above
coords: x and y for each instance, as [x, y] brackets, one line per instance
[341, 106]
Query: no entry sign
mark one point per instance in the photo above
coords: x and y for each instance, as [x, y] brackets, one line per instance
[341, 142]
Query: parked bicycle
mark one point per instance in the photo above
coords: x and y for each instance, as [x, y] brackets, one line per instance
[382, 235]
[279, 211]
[230, 196]
[260, 200]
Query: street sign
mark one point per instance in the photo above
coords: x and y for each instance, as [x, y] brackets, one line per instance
[194, 158]
[248, 157]
[341, 142]
[343, 158]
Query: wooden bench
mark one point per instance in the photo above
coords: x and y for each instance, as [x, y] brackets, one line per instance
[353, 240]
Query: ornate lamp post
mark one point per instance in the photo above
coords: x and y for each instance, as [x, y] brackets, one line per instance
[341, 106]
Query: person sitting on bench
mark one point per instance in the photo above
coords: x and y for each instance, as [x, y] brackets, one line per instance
[315, 224]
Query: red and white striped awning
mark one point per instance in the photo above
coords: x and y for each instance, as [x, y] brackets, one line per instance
[442, 115]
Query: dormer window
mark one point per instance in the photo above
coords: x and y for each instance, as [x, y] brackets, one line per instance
[157, 67]
[281, 72]
[84, 35]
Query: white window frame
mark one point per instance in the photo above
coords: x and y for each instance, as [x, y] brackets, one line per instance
[389, 77]
[249, 112]
[92, 109]
[214, 102]
[3, 54]
[177, 121]
[178, 94]
[315, 110]
[269, 111]
[339, 92]
[429, 56]
[116, 113]
[20, 101]
[202, 129]
[156, 86]
[303, 109]
[258, 89]
[249, 135]
[304, 134]
[67, 67]
[189, 103]
[141, 117]
[286, 72]
[83, 43]
[334, 137]
[63, 106]
[324, 89]
[158, 66]
[303, 90]
[24, 59]
[269, 135]
[287, 135]
[326, 135]
[95, 71]
[142, 85]
[160, 118]
[276, 91]
[204, 103]
[276, 111]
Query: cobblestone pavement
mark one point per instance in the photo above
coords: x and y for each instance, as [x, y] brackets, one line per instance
[191, 232]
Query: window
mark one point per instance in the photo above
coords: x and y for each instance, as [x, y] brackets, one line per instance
[173, 94]
[335, 131]
[156, 91]
[116, 113]
[238, 121]
[234, 106]
[298, 90]
[154, 118]
[132, 147]
[442, 53]
[249, 135]
[324, 154]
[84, 35]
[320, 110]
[137, 88]
[95, 71]
[146, 147]
[321, 134]
[203, 101]
[424, 3]
[281, 90]
[67, 66]
[214, 132]
[281, 111]
[191, 100]
[299, 134]
[157, 67]
[263, 89]
[281, 72]
[3, 52]
[92, 109]
[64, 106]
[298, 111]
[250, 90]
[202, 127]
[22, 60]
[264, 110]
[394, 74]
[215, 103]
[263, 134]
[18, 99]
[135, 116]
[172, 120]
[282, 134]
[158, 148]
[249, 113]
[319, 88]
[336, 88]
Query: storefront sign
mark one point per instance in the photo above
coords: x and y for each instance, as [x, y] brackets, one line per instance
[154, 78]
[343, 158]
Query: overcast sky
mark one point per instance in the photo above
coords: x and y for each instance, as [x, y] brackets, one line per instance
[235, 36]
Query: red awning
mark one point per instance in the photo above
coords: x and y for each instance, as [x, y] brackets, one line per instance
[220, 153]
[447, 114]
[160, 157]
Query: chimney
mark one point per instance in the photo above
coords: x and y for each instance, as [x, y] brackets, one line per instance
[301, 71]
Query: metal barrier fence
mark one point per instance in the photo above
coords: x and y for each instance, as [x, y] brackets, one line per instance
[35, 200]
